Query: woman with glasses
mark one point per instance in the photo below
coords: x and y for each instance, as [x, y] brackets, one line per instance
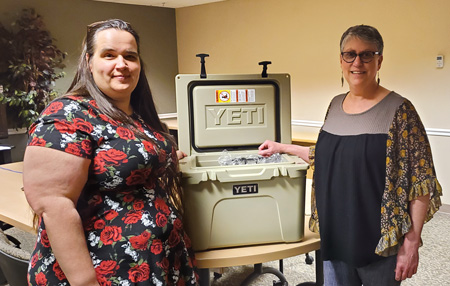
[101, 172]
[374, 181]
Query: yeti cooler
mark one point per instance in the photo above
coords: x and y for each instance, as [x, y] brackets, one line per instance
[235, 205]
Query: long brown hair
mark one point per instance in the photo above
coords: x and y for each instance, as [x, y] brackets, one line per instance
[141, 100]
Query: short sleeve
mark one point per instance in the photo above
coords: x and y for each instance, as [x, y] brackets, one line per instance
[64, 125]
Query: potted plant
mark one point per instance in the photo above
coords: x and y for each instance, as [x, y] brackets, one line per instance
[30, 63]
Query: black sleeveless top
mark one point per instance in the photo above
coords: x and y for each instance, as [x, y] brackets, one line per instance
[350, 170]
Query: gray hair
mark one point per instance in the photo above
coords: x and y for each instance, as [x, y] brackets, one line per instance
[366, 33]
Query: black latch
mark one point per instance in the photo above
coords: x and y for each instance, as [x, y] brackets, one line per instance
[264, 64]
[202, 62]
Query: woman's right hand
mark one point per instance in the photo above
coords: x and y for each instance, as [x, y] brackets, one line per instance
[269, 148]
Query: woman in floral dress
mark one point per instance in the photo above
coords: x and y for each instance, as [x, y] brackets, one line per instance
[100, 172]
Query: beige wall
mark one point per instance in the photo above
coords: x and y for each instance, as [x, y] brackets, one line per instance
[67, 21]
[301, 37]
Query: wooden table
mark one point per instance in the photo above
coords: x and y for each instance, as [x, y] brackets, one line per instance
[14, 208]
[258, 254]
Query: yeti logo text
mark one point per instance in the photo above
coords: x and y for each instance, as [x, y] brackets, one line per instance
[245, 189]
[237, 115]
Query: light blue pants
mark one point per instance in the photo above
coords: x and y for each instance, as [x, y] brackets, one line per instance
[338, 273]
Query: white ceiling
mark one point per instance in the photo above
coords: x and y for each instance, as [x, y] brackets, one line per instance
[163, 3]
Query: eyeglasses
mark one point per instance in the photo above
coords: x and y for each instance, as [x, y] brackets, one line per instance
[365, 57]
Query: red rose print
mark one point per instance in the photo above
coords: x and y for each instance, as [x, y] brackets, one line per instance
[157, 246]
[181, 282]
[138, 177]
[44, 239]
[100, 141]
[111, 214]
[107, 119]
[164, 264]
[73, 148]
[139, 273]
[98, 166]
[37, 142]
[174, 238]
[178, 224]
[90, 112]
[41, 280]
[95, 200]
[113, 157]
[132, 217]
[125, 133]
[161, 220]
[149, 147]
[177, 263]
[64, 126]
[128, 198]
[99, 224]
[111, 234]
[161, 205]
[86, 146]
[192, 263]
[187, 240]
[93, 103]
[140, 241]
[138, 205]
[33, 260]
[106, 269]
[103, 281]
[159, 137]
[53, 108]
[83, 125]
[150, 184]
[162, 156]
[89, 223]
[58, 272]
[139, 125]
[32, 129]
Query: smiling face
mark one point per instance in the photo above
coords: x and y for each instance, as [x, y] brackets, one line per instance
[359, 74]
[115, 66]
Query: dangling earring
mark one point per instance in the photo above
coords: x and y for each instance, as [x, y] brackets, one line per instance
[378, 77]
[342, 79]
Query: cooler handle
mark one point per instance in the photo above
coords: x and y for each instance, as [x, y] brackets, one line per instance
[254, 174]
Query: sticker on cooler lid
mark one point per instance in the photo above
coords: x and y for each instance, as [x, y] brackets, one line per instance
[251, 97]
[223, 95]
[235, 95]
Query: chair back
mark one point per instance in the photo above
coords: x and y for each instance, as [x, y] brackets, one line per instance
[13, 262]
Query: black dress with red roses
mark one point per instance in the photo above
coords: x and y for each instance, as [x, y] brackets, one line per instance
[134, 234]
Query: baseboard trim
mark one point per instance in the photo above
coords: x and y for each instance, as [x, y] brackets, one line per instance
[445, 208]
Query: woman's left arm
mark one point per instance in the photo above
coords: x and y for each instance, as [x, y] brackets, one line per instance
[408, 255]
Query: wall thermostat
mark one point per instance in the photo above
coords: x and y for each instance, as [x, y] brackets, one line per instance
[439, 61]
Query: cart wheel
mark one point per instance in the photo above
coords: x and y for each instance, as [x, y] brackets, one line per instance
[279, 283]
[217, 275]
[309, 259]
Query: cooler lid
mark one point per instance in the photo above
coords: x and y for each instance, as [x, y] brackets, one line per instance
[233, 112]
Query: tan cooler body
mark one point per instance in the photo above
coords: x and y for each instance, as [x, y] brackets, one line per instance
[238, 205]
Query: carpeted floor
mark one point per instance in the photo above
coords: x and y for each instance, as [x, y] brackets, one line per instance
[434, 263]
[434, 267]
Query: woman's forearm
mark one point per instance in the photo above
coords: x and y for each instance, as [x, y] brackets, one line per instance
[67, 239]
[299, 151]
[417, 211]
[408, 255]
